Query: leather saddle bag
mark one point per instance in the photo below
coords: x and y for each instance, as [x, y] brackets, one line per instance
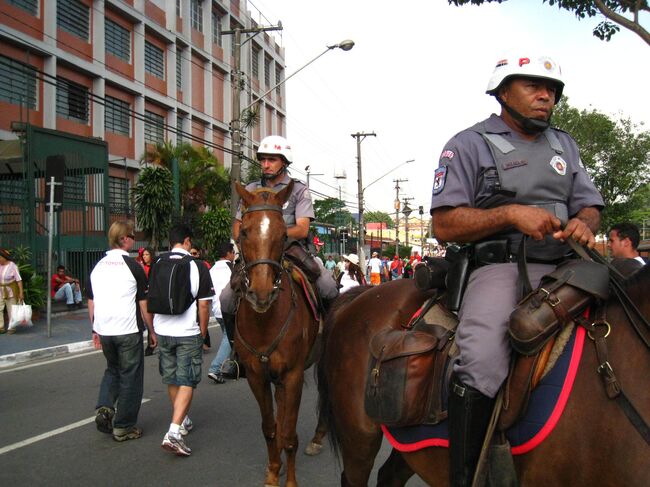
[560, 296]
[297, 254]
[408, 369]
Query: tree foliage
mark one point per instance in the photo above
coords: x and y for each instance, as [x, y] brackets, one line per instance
[616, 155]
[154, 202]
[333, 211]
[617, 13]
[214, 225]
[379, 217]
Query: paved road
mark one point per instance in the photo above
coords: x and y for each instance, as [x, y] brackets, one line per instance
[49, 436]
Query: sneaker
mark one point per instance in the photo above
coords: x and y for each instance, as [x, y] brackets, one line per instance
[186, 426]
[104, 419]
[123, 434]
[176, 445]
[216, 377]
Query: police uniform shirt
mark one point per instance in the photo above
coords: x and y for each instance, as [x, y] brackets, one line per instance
[186, 324]
[467, 171]
[116, 284]
[298, 205]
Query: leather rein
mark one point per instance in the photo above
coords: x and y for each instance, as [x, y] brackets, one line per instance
[265, 356]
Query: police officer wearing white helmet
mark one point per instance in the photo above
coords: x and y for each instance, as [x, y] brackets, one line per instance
[505, 177]
[275, 156]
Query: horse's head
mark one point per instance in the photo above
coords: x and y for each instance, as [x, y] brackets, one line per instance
[261, 242]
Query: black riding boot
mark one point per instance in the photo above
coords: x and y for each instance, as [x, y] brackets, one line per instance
[229, 327]
[469, 415]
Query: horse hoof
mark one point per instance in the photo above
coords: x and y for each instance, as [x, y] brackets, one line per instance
[313, 449]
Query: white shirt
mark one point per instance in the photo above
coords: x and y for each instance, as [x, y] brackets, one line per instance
[220, 274]
[375, 265]
[115, 292]
[640, 259]
[347, 282]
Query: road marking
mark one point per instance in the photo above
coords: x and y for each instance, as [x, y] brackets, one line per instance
[49, 434]
[47, 362]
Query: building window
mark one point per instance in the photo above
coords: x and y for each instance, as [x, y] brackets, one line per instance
[30, 6]
[72, 100]
[267, 70]
[154, 60]
[117, 116]
[118, 40]
[255, 62]
[179, 130]
[278, 78]
[74, 17]
[17, 83]
[179, 8]
[118, 195]
[179, 70]
[154, 128]
[197, 15]
[216, 28]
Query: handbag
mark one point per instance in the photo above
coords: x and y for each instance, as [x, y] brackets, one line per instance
[21, 315]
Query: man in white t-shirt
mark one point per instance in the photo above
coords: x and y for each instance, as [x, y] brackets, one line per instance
[180, 341]
[374, 265]
[623, 242]
[117, 291]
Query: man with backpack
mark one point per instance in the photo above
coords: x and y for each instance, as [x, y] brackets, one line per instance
[178, 287]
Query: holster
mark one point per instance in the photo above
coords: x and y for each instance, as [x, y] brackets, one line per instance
[297, 254]
[457, 275]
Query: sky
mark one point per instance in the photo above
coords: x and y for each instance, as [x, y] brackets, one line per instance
[417, 75]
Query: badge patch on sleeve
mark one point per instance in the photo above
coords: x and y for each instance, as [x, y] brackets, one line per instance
[439, 178]
[559, 165]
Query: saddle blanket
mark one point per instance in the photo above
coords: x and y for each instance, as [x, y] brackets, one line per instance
[547, 401]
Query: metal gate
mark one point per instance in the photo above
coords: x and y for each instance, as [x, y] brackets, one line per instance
[80, 227]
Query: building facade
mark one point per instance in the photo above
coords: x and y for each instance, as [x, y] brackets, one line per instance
[134, 73]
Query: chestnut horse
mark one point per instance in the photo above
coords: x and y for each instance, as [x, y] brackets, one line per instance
[593, 444]
[275, 328]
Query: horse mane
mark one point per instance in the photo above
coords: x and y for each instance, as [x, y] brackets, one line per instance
[637, 284]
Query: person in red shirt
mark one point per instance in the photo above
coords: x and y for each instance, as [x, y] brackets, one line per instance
[396, 267]
[66, 287]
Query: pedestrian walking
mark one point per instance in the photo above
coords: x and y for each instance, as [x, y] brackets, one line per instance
[374, 268]
[117, 308]
[11, 287]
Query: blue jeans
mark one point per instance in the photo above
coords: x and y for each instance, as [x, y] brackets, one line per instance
[224, 350]
[122, 384]
[69, 293]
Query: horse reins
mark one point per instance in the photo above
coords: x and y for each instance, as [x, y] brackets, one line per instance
[598, 330]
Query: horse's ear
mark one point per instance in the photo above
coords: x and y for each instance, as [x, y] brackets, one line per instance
[245, 195]
[283, 195]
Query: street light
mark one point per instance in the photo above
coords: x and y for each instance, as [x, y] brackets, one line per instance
[235, 171]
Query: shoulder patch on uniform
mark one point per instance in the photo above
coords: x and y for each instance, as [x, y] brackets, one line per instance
[439, 178]
[447, 154]
[559, 165]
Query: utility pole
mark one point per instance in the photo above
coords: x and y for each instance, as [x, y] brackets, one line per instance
[406, 212]
[361, 233]
[308, 169]
[397, 207]
[235, 125]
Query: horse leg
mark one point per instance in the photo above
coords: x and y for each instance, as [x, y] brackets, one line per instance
[395, 472]
[287, 398]
[315, 446]
[358, 452]
[262, 392]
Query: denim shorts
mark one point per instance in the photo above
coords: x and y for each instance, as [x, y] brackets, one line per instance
[180, 359]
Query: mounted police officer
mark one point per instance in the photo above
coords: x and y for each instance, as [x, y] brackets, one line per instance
[506, 177]
[275, 157]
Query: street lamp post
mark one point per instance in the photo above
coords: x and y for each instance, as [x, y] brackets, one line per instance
[235, 171]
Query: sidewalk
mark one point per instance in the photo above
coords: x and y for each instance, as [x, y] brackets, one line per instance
[71, 332]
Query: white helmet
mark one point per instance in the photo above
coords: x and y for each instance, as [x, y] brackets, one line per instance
[530, 67]
[274, 144]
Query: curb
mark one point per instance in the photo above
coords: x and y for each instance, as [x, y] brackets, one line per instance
[18, 358]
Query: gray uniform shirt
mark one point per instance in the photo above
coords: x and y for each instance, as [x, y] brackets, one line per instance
[460, 180]
[298, 205]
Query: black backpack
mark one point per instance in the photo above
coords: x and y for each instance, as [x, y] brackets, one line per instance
[170, 291]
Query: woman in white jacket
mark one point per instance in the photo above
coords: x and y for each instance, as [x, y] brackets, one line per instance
[352, 276]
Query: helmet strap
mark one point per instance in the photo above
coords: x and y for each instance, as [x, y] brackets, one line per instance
[269, 177]
[531, 126]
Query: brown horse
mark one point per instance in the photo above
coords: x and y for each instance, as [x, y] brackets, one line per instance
[593, 444]
[275, 329]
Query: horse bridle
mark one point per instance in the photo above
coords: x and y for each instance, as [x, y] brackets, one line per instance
[271, 262]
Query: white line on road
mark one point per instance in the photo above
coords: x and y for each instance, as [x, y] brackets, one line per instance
[49, 434]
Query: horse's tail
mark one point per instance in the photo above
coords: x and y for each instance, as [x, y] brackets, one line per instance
[325, 411]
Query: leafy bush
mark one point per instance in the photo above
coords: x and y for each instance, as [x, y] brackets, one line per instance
[34, 284]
